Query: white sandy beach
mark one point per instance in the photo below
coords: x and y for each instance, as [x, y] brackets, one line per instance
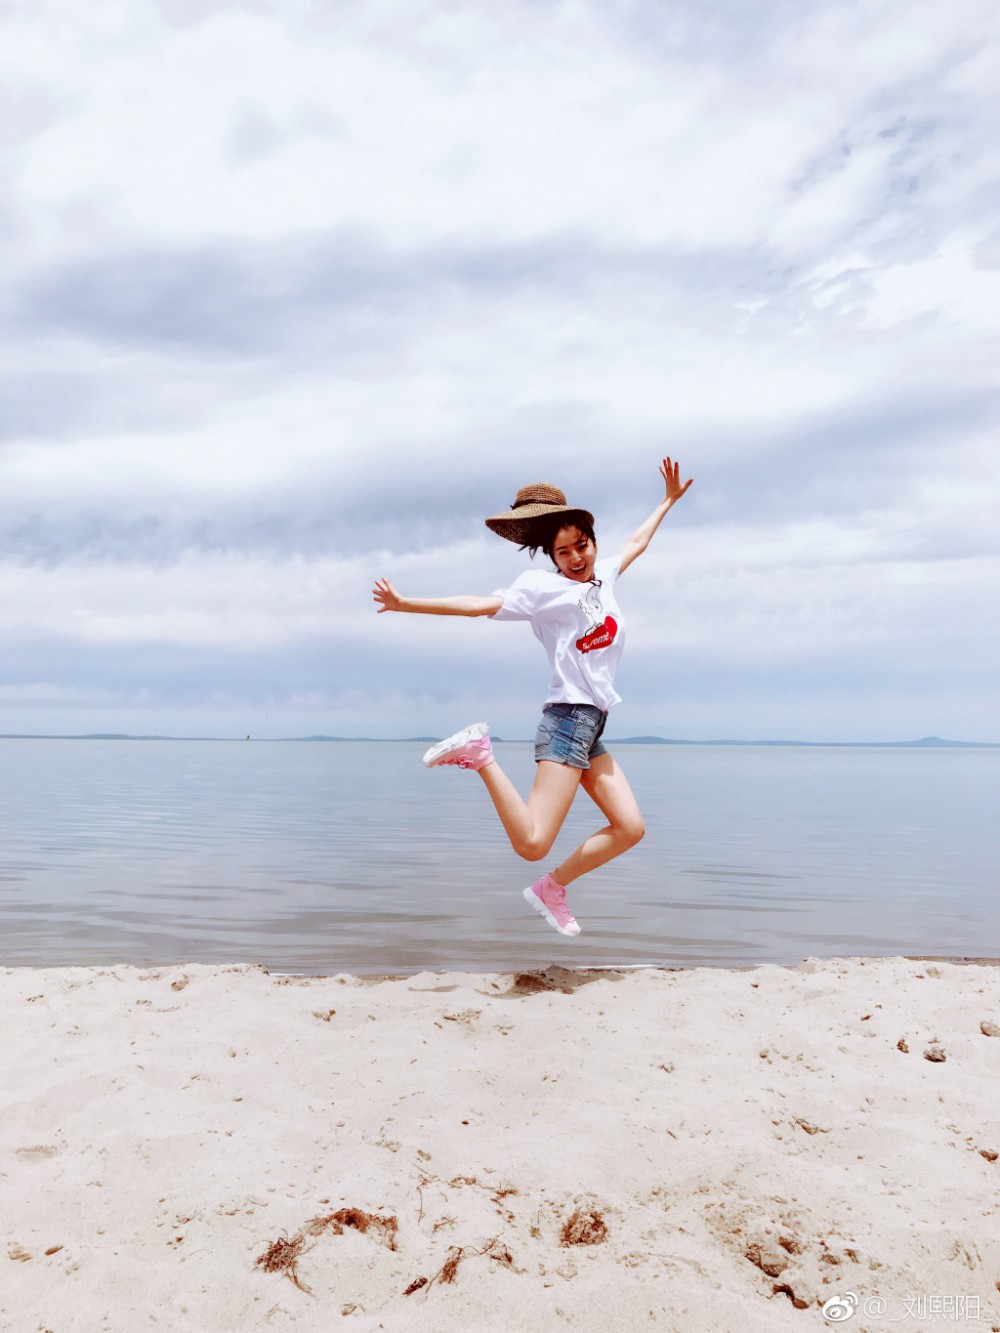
[215, 1148]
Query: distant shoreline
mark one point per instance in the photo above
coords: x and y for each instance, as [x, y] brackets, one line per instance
[925, 743]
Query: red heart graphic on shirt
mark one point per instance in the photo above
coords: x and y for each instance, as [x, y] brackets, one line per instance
[601, 636]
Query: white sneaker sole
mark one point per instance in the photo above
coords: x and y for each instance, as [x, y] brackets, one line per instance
[530, 896]
[474, 733]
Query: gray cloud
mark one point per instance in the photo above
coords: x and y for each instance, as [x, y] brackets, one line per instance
[248, 299]
[352, 294]
[865, 454]
[54, 403]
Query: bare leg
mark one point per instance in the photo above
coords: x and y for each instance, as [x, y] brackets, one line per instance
[532, 825]
[608, 788]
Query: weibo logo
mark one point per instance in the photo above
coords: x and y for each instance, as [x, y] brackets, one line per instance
[601, 636]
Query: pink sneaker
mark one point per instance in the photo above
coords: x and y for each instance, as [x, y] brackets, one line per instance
[549, 898]
[467, 749]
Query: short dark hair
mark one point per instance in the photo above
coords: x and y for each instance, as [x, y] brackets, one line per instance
[545, 530]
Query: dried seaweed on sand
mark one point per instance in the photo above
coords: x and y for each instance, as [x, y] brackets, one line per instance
[282, 1256]
[494, 1249]
[584, 1229]
[383, 1228]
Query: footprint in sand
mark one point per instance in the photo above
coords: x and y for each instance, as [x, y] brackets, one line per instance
[37, 1153]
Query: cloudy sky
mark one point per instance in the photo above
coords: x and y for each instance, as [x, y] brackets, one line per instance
[297, 293]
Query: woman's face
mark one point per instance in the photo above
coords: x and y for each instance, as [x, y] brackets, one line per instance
[574, 554]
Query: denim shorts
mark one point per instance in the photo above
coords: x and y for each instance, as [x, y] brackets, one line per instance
[570, 734]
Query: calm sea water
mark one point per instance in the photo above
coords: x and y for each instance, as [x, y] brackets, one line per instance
[350, 856]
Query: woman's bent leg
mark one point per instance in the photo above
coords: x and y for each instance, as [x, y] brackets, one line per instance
[608, 788]
[532, 825]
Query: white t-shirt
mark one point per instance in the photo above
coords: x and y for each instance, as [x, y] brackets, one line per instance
[580, 626]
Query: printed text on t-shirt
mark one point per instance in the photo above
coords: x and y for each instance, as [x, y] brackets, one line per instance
[601, 636]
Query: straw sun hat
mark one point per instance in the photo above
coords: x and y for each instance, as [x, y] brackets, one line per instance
[520, 522]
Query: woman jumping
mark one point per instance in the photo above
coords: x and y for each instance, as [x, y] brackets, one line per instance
[573, 611]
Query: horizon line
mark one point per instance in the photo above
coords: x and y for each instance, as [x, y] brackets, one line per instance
[928, 742]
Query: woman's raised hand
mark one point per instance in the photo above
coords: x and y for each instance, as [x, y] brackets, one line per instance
[385, 593]
[670, 472]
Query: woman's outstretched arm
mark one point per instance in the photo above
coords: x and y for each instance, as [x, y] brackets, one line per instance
[385, 593]
[643, 535]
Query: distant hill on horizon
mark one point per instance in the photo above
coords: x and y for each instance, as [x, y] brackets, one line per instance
[925, 742]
